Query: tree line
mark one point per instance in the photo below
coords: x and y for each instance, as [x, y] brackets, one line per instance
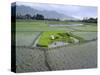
[28, 16]
[90, 20]
[41, 17]
[35, 17]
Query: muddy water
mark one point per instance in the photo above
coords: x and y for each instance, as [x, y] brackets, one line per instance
[55, 44]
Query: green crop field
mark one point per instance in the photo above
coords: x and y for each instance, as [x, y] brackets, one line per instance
[39, 26]
[45, 38]
[29, 25]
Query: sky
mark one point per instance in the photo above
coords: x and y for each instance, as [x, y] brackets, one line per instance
[71, 10]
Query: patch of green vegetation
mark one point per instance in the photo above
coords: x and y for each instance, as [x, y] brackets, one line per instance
[46, 39]
[49, 37]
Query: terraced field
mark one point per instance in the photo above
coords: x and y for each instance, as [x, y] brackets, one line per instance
[26, 38]
[86, 35]
[85, 28]
[71, 57]
[74, 56]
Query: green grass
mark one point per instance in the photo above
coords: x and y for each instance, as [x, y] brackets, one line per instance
[45, 38]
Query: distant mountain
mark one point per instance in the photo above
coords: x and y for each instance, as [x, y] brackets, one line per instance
[23, 10]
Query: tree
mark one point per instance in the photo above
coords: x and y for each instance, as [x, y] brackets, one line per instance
[90, 20]
[39, 17]
[27, 16]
